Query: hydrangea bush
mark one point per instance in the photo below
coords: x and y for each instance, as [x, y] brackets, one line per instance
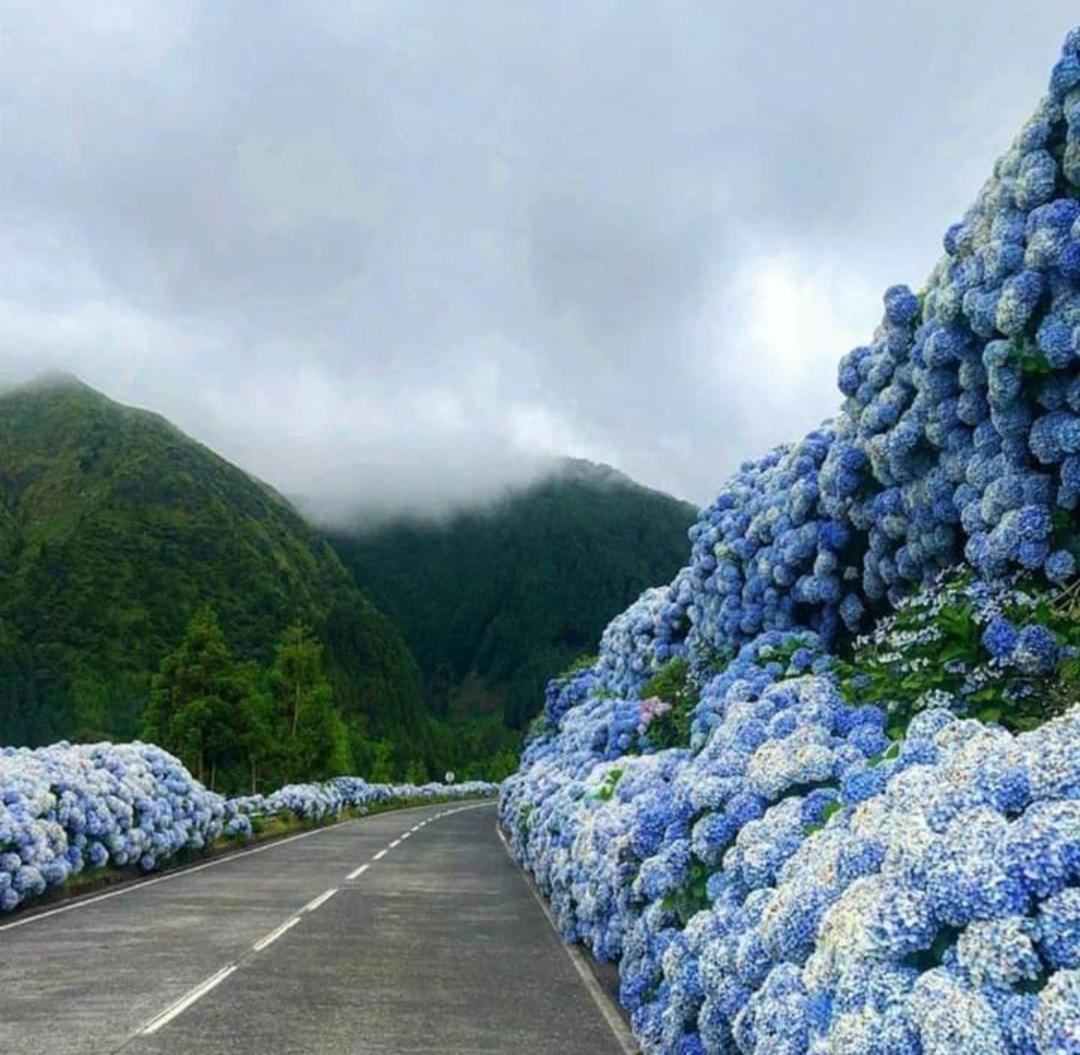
[865, 839]
[67, 808]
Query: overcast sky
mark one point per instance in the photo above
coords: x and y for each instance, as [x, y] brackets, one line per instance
[390, 255]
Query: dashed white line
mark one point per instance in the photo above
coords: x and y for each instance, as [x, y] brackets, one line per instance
[273, 936]
[186, 1001]
[322, 899]
[216, 979]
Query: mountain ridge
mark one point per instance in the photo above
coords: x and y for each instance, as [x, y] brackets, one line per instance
[118, 525]
[489, 627]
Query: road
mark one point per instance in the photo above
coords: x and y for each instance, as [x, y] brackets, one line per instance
[399, 934]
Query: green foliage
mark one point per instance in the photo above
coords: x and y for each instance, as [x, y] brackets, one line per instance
[930, 958]
[493, 602]
[872, 763]
[311, 735]
[210, 710]
[672, 685]
[826, 812]
[115, 528]
[585, 662]
[931, 650]
[692, 898]
[540, 728]
[1026, 354]
[416, 772]
[608, 785]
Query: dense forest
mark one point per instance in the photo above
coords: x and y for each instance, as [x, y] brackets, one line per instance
[115, 528]
[494, 601]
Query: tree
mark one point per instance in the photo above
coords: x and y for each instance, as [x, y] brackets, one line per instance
[255, 736]
[208, 709]
[416, 772]
[313, 734]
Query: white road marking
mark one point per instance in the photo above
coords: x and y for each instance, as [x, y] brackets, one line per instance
[179, 874]
[186, 1001]
[395, 843]
[322, 899]
[216, 979]
[603, 1002]
[405, 835]
[142, 884]
[273, 936]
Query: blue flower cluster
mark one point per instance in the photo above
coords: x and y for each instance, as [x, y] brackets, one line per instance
[848, 886]
[68, 807]
[791, 882]
[959, 434]
[937, 914]
[646, 636]
[626, 654]
[320, 802]
[64, 808]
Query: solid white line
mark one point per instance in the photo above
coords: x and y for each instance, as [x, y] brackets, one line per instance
[379, 856]
[322, 899]
[273, 936]
[179, 874]
[186, 1001]
[603, 1002]
[396, 842]
[356, 873]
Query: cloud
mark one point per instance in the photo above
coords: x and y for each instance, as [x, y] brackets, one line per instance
[396, 255]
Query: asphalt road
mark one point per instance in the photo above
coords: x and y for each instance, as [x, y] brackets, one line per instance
[437, 945]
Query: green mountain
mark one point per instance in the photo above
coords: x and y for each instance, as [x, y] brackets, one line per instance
[495, 602]
[114, 528]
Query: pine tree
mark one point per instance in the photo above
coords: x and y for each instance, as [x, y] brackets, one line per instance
[313, 735]
[416, 772]
[208, 709]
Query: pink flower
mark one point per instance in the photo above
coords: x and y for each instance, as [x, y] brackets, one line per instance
[652, 708]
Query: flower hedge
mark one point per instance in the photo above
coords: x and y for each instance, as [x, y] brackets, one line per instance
[66, 808]
[821, 795]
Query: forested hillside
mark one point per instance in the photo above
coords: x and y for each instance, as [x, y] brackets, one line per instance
[492, 601]
[115, 528]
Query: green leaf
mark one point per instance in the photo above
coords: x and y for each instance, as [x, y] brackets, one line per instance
[830, 808]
